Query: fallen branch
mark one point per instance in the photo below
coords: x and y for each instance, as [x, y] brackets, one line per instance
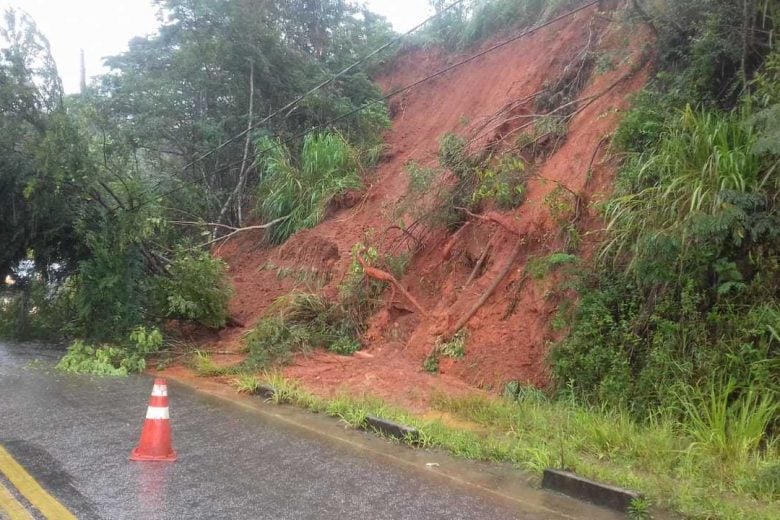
[585, 102]
[489, 292]
[450, 245]
[559, 184]
[403, 231]
[383, 276]
[494, 217]
[235, 230]
[479, 263]
[601, 143]
[201, 224]
[510, 309]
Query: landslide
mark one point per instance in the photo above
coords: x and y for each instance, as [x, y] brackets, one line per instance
[490, 101]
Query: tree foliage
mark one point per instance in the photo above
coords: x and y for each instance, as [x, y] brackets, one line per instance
[31, 172]
[709, 49]
[88, 182]
[684, 294]
[463, 24]
[181, 96]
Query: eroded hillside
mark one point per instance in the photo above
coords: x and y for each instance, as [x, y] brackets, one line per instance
[576, 77]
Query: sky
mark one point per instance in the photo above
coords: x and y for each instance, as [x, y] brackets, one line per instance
[103, 27]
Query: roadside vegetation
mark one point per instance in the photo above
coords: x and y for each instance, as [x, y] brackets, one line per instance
[298, 193]
[301, 321]
[684, 471]
[676, 330]
[110, 200]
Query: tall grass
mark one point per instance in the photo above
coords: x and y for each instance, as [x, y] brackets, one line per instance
[204, 365]
[729, 422]
[300, 191]
[700, 157]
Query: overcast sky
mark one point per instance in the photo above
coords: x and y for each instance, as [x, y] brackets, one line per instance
[103, 27]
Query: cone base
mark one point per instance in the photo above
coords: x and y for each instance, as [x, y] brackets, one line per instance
[140, 457]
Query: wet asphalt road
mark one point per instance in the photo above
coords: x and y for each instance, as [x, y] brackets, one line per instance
[74, 434]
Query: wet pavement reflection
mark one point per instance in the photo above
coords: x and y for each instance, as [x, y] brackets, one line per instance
[74, 434]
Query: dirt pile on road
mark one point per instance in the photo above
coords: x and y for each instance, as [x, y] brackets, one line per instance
[589, 61]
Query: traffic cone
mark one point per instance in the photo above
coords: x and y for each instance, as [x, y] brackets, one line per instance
[155, 443]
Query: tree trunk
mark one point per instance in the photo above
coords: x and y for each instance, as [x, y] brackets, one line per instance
[748, 15]
[237, 193]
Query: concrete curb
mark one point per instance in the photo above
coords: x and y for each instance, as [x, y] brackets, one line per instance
[392, 429]
[575, 486]
[507, 484]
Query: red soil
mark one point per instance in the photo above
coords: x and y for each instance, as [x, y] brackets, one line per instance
[508, 337]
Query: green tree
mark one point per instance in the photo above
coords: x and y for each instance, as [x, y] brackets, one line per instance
[181, 96]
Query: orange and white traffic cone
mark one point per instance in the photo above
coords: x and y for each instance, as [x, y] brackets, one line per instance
[155, 443]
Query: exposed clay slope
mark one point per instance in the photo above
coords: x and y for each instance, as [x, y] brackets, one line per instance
[509, 335]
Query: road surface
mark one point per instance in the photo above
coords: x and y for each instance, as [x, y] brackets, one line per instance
[71, 436]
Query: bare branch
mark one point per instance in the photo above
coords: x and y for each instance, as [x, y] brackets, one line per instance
[201, 224]
[241, 230]
[489, 292]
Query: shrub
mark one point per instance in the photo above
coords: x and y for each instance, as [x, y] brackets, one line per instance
[299, 192]
[501, 180]
[196, 289]
[345, 346]
[453, 155]
[454, 348]
[271, 342]
[359, 296]
[397, 264]
[476, 20]
[300, 322]
[504, 183]
[430, 200]
[641, 128]
[690, 187]
[109, 360]
[431, 363]
[436, 199]
[540, 267]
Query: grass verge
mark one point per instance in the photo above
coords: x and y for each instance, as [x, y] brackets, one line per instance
[535, 433]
